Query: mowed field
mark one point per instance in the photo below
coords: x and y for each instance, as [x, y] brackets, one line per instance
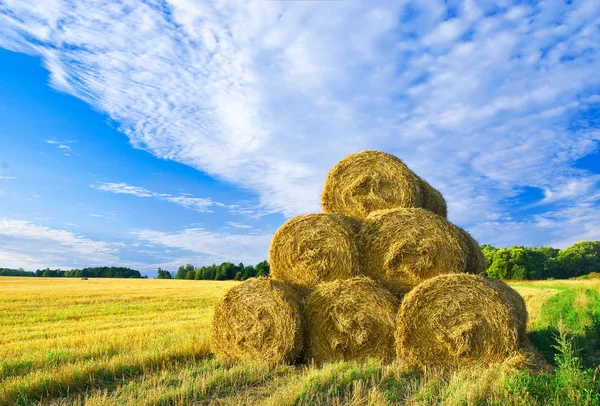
[110, 341]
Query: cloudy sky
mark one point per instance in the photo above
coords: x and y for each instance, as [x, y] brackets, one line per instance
[159, 132]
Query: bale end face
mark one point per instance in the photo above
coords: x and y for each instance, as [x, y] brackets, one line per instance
[259, 321]
[315, 248]
[404, 247]
[460, 320]
[350, 320]
[367, 181]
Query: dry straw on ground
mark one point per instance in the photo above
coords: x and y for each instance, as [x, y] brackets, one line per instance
[461, 320]
[350, 319]
[258, 320]
[315, 248]
[404, 247]
[372, 180]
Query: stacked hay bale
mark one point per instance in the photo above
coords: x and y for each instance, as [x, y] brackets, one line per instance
[381, 273]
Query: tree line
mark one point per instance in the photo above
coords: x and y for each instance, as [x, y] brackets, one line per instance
[519, 262]
[95, 272]
[225, 271]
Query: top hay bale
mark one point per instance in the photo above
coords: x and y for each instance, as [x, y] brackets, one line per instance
[461, 320]
[259, 320]
[315, 248]
[372, 180]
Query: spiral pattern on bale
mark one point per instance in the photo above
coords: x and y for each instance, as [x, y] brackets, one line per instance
[404, 247]
[460, 320]
[315, 248]
[259, 320]
[351, 319]
[372, 180]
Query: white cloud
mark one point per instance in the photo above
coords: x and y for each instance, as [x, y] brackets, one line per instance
[239, 225]
[572, 189]
[32, 246]
[124, 188]
[3, 175]
[269, 95]
[62, 146]
[207, 246]
[195, 203]
[558, 228]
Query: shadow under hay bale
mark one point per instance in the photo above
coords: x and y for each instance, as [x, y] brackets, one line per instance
[259, 320]
[350, 319]
[404, 247]
[372, 180]
[460, 320]
[315, 248]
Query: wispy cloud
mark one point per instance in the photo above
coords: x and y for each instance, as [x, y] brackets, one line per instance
[62, 146]
[195, 203]
[3, 174]
[239, 225]
[481, 99]
[204, 247]
[28, 245]
[124, 188]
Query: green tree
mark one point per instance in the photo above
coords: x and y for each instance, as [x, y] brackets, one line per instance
[181, 272]
[263, 269]
[249, 272]
[489, 252]
[191, 275]
[221, 274]
[579, 259]
[209, 273]
[164, 274]
[500, 267]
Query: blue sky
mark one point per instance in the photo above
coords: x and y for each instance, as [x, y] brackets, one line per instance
[156, 133]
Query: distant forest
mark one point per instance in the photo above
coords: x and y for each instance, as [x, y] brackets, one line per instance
[517, 262]
[225, 271]
[97, 272]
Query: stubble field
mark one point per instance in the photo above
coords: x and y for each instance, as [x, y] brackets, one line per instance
[118, 341]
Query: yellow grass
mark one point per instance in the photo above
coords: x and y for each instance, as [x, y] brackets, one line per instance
[145, 342]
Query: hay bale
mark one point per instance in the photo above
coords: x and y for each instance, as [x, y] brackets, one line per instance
[404, 247]
[315, 248]
[259, 320]
[459, 320]
[475, 259]
[433, 200]
[372, 180]
[350, 319]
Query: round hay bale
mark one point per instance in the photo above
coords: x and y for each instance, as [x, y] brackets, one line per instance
[259, 320]
[433, 200]
[315, 248]
[350, 319]
[475, 260]
[458, 320]
[372, 180]
[404, 247]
